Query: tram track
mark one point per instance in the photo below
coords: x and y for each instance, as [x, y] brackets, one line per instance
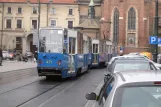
[22, 86]
[38, 95]
[26, 93]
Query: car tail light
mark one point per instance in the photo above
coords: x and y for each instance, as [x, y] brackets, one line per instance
[40, 61]
[157, 82]
[59, 62]
[11, 55]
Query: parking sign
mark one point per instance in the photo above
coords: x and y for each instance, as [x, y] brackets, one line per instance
[153, 40]
[159, 41]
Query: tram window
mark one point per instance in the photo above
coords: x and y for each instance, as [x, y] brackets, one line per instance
[95, 48]
[72, 45]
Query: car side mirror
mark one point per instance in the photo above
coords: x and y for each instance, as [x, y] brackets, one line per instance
[107, 77]
[91, 96]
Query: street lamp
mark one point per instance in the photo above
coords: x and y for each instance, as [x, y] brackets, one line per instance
[2, 12]
[39, 11]
[155, 27]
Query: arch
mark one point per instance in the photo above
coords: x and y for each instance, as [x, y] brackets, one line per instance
[131, 19]
[30, 47]
[115, 26]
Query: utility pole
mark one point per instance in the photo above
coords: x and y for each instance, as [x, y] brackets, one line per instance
[156, 29]
[39, 7]
[2, 24]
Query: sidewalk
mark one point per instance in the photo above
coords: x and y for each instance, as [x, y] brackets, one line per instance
[14, 65]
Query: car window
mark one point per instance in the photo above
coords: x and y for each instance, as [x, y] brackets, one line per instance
[138, 97]
[152, 67]
[131, 66]
[105, 91]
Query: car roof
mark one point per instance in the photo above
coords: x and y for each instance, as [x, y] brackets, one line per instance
[137, 76]
[131, 60]
[125, 56]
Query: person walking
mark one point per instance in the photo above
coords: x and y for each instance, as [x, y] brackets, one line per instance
[35, 56]
[1, 57]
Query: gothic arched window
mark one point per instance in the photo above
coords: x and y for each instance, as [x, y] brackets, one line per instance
[116, 26]
[131, 19]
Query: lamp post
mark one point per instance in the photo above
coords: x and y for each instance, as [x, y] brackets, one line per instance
[2, 12]
[156, 29]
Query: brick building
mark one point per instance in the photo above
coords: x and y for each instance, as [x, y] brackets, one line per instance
[128, 23]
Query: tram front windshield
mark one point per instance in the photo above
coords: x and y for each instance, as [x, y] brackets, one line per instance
[50, 40]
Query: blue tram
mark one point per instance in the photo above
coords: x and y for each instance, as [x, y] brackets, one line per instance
[61, 54]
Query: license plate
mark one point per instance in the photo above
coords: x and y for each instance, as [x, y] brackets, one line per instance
[49, 61]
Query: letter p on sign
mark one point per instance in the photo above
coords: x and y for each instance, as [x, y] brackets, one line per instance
[153, 40]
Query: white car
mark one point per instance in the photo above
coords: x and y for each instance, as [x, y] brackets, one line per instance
[156, 64]
[5, 54]
[128, 89]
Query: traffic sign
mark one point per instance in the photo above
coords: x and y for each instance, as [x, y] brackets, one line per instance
[159, 41]
[153, 40]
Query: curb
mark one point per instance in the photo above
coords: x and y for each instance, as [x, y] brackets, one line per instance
[91, 103]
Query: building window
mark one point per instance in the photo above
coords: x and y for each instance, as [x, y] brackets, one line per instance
[8, 23]
[131, 19]
[70, 11]
[115, 26]
[19, 23]
[34, 11]
[19, 10]
[53, 22]
[9, 9]
[34, 24]
[70, 24]
[53, 11]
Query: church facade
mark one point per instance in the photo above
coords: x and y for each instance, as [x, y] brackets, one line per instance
[128, 24]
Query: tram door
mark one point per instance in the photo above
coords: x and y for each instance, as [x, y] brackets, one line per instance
[72, 52]
[95, 51]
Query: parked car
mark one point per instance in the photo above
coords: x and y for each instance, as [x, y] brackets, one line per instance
[156, 64]
[128, 89]
[29, 54]
[126, 64]
[134, 53]
[11, 56]
[5, 55]
[159, 58]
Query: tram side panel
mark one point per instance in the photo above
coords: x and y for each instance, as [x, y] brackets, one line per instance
[53, 64]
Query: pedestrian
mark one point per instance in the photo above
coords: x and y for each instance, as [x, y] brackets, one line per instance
[35, 56]
[1, 57]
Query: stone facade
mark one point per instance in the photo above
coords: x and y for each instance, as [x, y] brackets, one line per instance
[144, 12]
[59, 12]
[83, 9]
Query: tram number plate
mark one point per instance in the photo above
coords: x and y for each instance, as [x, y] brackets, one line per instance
[49, 61]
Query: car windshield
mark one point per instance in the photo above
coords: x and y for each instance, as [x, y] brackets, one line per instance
[149, 96]
[131, 66]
